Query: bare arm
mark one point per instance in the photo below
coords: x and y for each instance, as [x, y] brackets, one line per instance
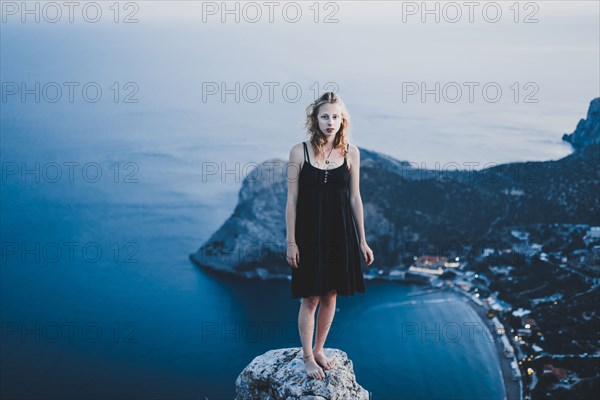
[293, 174]
[355, 199]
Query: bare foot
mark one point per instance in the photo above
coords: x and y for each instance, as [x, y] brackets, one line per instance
[312, 369]
[325, 362]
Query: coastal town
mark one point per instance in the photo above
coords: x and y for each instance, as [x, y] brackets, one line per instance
[539, 301]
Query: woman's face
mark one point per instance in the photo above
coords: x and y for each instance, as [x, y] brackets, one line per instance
[330, 119]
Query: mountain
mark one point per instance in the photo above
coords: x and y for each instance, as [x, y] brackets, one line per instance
[588, 130]
[411, 211]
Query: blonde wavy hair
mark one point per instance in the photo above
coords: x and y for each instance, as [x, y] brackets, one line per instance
[317, 138]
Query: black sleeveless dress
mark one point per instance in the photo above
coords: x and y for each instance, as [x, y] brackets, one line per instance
[326, 234]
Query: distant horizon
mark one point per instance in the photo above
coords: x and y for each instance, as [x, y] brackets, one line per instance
[550, 68]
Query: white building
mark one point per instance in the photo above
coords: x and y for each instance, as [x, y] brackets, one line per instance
[515, 370]
[508, 349]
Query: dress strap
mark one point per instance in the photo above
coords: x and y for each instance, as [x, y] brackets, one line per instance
[306, 153]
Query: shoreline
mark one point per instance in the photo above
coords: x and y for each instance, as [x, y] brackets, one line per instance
[513, 390]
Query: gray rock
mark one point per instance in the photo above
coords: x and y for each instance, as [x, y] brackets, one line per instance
[280, 374]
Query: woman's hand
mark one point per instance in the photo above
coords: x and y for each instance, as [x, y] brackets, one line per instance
[293, 255]
[367, 253]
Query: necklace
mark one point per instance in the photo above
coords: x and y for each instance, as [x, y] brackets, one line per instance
[327, 159]
[327, 162]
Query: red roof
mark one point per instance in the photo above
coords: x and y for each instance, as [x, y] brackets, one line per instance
[560, 373]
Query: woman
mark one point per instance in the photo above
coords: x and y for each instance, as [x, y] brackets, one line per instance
[324, 223]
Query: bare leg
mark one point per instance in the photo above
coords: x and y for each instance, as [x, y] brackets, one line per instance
[324, 321]
[306, 319]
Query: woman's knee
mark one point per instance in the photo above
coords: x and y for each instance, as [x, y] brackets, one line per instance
[311, 302]
[328, 298]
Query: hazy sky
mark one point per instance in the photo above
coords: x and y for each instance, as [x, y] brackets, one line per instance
[532, 69]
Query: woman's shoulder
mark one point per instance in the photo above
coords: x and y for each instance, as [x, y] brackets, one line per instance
[297, 152]
[297, 147]
[352, 149]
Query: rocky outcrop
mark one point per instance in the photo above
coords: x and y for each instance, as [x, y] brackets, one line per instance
[280, 375]
[588, 130]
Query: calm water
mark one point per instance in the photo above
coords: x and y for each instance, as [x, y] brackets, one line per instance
[102, 203]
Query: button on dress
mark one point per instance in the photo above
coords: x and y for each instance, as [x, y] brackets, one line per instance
[326, 234]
